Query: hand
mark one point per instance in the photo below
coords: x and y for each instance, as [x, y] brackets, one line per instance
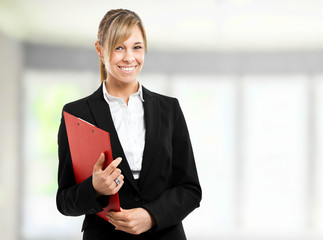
[133, 221]
[103, 180]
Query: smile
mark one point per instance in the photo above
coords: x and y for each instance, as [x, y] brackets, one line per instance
[127, 69]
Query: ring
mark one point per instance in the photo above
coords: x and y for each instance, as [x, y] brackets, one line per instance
[117, 181]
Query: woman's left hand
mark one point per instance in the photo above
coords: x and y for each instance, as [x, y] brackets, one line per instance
[134, 221]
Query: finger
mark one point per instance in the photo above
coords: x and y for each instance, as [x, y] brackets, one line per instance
[117, 188]
[117, 179]
[125, 227]
[115, 174]
[120, 220]
[113, 165]
[98, 165]
[116, 215]
[114, 223]
[121, 178]
[111, 187]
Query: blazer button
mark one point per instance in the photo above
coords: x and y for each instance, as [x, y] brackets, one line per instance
[91, 211]
[137, 199]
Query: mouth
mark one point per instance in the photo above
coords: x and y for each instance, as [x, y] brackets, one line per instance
[127, 69]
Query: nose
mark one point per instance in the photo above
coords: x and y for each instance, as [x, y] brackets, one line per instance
[128, 56]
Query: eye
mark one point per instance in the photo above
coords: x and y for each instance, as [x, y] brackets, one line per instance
[138, 47]
[119, 48]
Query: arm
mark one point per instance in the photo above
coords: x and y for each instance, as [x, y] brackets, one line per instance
[72, 199]
[91, 195]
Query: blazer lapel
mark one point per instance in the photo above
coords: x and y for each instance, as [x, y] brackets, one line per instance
[102, 115]
[152, 121]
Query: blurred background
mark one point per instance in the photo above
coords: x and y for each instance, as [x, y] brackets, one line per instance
[248, 75]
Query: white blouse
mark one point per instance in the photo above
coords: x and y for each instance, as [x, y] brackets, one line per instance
[130, 125]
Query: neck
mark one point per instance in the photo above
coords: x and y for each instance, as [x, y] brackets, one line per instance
[121, 90]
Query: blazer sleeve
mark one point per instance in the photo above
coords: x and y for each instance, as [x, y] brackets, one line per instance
[73, 199]
[185, 195]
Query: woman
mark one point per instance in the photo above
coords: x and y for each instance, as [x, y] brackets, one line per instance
[154, 171]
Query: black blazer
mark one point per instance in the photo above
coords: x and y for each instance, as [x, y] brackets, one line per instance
[168, 186]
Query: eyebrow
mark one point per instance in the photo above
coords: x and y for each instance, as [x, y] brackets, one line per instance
[138, 43]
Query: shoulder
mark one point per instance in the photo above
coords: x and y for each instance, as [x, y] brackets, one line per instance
[80, 107]
[162, 99]
[76, 107]
[168, 107]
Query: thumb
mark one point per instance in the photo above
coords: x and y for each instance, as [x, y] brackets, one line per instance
[98, 165]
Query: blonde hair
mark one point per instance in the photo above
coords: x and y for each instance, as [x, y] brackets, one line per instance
[116, 27]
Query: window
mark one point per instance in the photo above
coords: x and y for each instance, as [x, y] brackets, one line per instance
[255, 137]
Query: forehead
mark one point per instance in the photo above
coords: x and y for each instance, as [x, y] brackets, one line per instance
[135, 37]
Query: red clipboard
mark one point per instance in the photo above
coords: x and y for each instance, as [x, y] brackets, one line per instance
[86, 143]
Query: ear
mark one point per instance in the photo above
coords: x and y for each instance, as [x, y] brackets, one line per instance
[98, 49]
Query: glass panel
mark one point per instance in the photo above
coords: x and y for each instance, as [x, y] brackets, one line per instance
[275, 151]
[318, 133]
[45, 93]
[209, 106]
[156, 82]
[274, 145]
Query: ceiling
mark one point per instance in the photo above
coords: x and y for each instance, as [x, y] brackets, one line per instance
[221, 25]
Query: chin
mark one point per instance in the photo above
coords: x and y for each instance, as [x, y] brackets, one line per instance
[128, 80]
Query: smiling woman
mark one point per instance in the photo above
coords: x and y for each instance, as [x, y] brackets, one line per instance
[114, 29]
[125, 62]
[154, 171]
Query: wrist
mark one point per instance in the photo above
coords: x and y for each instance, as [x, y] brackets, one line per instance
[152, 219]
[97, 194]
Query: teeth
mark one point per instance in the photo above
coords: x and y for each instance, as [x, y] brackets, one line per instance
[127, 68]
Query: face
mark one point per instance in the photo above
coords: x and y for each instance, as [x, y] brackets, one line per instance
[127, 59]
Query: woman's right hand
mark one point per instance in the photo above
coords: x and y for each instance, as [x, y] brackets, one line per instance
[103, 180]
